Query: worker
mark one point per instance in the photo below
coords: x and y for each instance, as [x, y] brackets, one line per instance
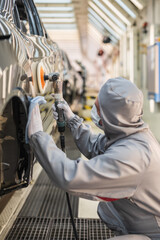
[124, 163]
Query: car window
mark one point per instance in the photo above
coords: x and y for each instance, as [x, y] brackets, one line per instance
[16, 17]
[27, 23]
[1, 4]
[38, 24]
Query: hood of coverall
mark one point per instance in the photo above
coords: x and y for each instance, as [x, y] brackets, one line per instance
[121, 109]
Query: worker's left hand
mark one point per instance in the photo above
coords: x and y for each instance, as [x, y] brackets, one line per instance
[34, 123]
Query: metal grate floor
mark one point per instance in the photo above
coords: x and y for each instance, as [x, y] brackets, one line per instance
[58, 229]
[47, 201]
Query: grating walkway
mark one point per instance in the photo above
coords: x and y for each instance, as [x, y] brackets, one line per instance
[45, 216]
[45, 201]
[58, 229]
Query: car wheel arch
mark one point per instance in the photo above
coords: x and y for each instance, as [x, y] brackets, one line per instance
[15, 155]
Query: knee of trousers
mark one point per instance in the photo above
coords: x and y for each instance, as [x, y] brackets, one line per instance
[109, 215]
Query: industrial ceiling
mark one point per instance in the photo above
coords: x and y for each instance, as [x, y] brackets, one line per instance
[109, 17]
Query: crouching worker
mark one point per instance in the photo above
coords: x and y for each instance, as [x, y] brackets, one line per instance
[123, 171]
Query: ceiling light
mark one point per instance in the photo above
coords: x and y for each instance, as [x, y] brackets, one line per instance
[107, 20]
[55, 9]
[117, 12]
[99, 27]
[56, 15]
[104, 23]
[138, 4]
[59, 20]
[52, 1]
[96, 35]
[95, 21]
[60, 26]
[104, 9]
[128, 10]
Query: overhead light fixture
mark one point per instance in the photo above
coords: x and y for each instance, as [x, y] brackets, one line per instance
[94, 31]
[104, 9]
[127, 9]
[100, 27]
[97, 36]
[55, 9]
[60, 26]
[138, 4]
[56, 15]
[58, 20]
[117, 12]
[109, 29]
[107, 20]
[96, 27]
[53, 1]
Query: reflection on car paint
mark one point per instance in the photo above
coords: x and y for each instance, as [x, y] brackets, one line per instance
[20, 56]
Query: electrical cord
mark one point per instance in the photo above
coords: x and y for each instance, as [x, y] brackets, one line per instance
[71, 215]
[62, 141]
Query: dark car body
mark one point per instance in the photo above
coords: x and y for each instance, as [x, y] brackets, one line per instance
[27, 54]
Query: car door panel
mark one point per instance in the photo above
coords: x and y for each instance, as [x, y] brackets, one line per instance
[20, 57]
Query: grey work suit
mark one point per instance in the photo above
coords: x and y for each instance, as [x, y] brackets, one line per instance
[124, 163]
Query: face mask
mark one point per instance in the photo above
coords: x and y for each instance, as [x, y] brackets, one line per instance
[95, 117]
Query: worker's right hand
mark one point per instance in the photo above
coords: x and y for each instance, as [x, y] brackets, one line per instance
[68, 114]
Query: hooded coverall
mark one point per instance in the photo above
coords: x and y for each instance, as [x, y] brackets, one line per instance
[124, 167]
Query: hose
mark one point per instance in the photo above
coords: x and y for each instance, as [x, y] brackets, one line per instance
[62, 141]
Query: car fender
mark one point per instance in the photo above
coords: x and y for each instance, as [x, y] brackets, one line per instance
[16, 158]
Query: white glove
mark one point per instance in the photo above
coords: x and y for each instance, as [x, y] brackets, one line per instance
[68, 114]
[55, 114]
[34, 123]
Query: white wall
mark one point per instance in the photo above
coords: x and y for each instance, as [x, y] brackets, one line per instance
[150, 14]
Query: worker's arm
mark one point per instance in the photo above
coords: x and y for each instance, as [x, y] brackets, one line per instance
[114, 174]
[88, 143]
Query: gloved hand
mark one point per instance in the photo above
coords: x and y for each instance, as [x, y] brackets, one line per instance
[34, 123]
[68, 114]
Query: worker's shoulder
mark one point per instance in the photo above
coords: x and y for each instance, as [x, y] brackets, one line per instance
[131, 148]
[138, 140]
